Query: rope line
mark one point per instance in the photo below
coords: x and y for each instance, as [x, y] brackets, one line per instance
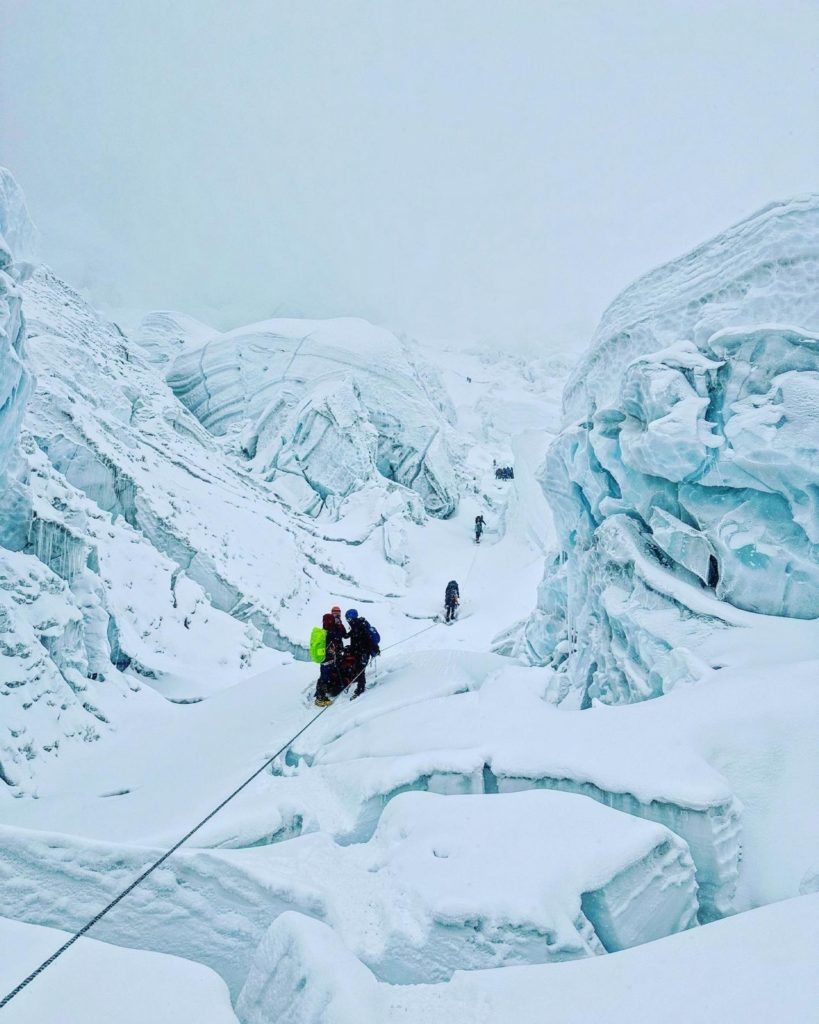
[168, 853]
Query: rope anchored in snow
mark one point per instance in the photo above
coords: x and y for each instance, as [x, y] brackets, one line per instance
[180, 842]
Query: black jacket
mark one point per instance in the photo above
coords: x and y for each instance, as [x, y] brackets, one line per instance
[361, 643]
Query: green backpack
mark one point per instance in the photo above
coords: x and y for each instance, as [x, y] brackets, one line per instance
[318, 644]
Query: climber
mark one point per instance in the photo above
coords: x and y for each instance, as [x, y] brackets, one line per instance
[335, 611]
[326, 647]
[364, 643]
[479, 525]
[452, 598]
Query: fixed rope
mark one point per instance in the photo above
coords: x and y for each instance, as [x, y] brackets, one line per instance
[180, 842]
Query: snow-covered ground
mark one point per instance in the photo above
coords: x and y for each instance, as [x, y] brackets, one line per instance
[97, 983]
[585, 764]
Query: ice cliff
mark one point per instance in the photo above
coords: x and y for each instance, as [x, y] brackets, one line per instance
[45, 695]
[324, 408]
[684, 482]
[15, 385]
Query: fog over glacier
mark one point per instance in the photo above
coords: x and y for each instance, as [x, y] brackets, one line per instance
[495, 327]
[461, 169]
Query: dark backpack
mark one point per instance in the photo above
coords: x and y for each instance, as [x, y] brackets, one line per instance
[374, 636]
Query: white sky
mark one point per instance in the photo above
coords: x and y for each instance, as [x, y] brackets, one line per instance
[492, 170]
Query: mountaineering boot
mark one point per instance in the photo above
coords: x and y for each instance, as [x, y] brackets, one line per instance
[322, 702]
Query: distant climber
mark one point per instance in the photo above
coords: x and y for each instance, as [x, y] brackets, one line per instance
[327, 648]
[479, 525]
[452, 598]
[364, 644]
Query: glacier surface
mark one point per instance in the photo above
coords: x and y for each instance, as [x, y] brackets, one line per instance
[180, 505]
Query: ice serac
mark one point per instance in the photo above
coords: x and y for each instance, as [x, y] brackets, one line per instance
[163, 334]
[323, 406]
[126, 450]
[417, 902]
[754, 968]
[46, 697]
[15, 384]
[684, 483]
[16, 226]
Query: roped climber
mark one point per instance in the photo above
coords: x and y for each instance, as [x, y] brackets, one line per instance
[327, 650]
[452, 598]
[364, 644]
[479, 525]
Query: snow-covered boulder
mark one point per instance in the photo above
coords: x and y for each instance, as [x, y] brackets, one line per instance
[688, 463]
[334, 403]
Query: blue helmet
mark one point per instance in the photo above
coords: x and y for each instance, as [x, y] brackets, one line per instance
[351, 614]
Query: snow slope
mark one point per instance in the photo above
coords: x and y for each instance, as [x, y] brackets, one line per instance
[96, 983]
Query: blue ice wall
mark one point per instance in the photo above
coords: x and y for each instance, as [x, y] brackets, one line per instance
[685, 483]
[15, 380]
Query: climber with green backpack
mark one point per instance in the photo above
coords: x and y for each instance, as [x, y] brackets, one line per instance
[326, 648]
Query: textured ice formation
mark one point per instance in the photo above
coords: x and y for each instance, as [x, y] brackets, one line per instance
[688, 465]
[754, 967]
[45, 694]
[103, 575]
[46, 697]
[547, 893]
[15, 385]
[696, 761]
[567, 878]
[142, 459]
[16, 227]
[504, 739]
[331, 403]
[163, 335]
